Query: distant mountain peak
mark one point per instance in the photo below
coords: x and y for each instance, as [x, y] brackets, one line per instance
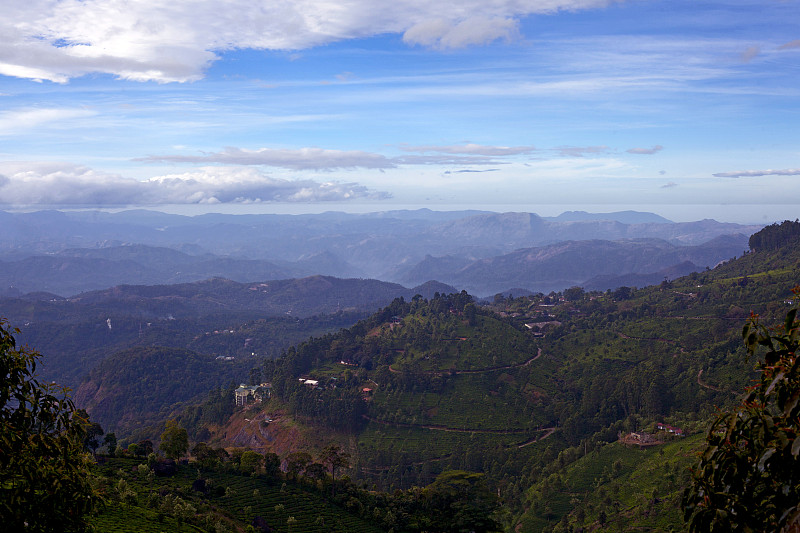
[625, 217]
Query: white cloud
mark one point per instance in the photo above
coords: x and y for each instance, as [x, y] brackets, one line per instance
[645, 151]
[757, 173]
[790, 45]
[12, 122]
[65, 184]
[295, 159]
[177, 40]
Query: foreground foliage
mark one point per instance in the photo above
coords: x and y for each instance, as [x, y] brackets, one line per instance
[748, 478]
[44, 472]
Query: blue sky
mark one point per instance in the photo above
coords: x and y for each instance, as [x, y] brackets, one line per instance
[685, 108]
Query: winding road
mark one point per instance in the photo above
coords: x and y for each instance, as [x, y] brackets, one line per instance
[477, 371]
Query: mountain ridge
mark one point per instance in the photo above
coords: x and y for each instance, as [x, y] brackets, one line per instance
[258, 247]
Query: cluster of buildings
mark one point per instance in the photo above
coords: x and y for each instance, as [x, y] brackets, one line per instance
[253, 393]
[678, 432]
[642, 438]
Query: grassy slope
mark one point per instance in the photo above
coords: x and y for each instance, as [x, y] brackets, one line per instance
[695, 322]
[233, 504]
[636, 489]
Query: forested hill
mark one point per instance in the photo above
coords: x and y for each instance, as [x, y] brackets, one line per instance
[297, 297]
[75, 334]
[776, 236]
[526, 387]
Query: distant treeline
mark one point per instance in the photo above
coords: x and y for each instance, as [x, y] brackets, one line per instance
[775, 236]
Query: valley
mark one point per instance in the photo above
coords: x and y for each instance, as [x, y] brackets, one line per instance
[579, 408]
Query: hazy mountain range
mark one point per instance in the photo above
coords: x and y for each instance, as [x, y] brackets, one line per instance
[66, 253]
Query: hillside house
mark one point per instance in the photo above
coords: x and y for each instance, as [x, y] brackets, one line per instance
[254, 393]
[678, 432]
[310, 383]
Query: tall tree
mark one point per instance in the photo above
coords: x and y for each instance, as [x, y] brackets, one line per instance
[174, 440]
[335, 458]
[250, 462]
[110, 442]
[459, 501]
[296, 462]
[92, 432]
[748, 478]
[272, 464]
[44, 472]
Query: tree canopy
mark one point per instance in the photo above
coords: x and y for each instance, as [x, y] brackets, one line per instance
[174, 440]
[460, 501]
[44, 471]
[775, 236]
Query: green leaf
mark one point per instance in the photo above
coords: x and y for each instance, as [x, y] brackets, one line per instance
[775, 382]
[791, 403]
[790, 316]
[764, 458]
[796, 446]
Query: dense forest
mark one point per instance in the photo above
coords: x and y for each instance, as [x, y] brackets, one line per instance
[775, 236]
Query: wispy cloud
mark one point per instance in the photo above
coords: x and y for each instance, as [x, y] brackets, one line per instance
[645, 151]
[65, 184]
[468, 171]
[750, 53]
[757, 173]
[295, 159]
[471, 149]
[443, 33]
[60, 39]
[669, 185]
[446, 159]
[790, 45]
[13, 121]
[580, 151]
[325, 159]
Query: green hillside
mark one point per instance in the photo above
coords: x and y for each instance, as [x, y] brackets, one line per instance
[536, 393]
[455, 385]
[225, 500]
[614, 486]
[449, 386]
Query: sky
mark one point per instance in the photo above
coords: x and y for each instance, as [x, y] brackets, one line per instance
[686, 108]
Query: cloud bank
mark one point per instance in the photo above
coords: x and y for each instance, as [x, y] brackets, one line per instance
[176, 41]
[325, 159]
[757, 173]
[63, 184]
